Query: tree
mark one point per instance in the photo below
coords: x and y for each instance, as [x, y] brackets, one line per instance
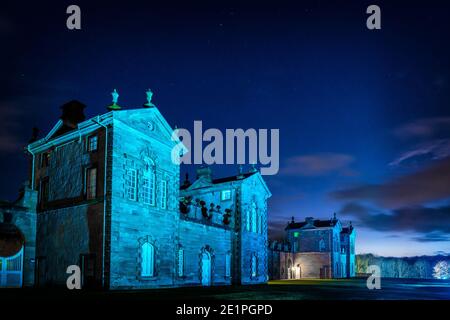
[441, 270]
[422, 269]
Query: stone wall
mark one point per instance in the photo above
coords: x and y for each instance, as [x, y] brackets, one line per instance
[63, 235]
[193, 237]
[310, 263]
[251, 243]
[308, 240]
[133, 221]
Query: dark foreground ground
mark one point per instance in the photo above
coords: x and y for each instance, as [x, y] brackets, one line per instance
[348, 289]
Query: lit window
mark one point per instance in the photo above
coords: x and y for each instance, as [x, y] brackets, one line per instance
[148, 189]
[147, 260]
[180, 262]
[91, 183]
[92, 143]
[253, 217]
[228, 265]
[254, 266]
[131, 184]
[163, 194]
[225, 195]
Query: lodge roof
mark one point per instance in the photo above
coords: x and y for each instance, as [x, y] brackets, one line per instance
[347, 230]
[316, 223]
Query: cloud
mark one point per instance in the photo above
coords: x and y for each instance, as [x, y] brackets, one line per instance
[432, 137]
[318, 165]
[433, 237]
[426, 185]
[432, 223]
[423, 127]
[434, 150]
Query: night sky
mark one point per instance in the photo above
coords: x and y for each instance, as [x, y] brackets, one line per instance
[364, 115]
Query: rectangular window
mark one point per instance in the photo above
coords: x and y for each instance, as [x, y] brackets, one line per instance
[228, 265]
[148, 189]
[131, 184]
[44, 191]
[247, 220]
[225, 195]
[163, 194]
[180, 262]
[254, 222]
[45, 159]
[91, 183]
[92, 143]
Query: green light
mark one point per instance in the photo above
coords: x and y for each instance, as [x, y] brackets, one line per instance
[296, 234]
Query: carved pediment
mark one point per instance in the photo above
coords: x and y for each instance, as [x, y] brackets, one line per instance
[200, 183]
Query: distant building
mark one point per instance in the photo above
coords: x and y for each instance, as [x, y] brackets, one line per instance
[314, 249]
[105, 195]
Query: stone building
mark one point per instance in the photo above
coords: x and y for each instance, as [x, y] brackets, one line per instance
[109, 201]
[314, 249]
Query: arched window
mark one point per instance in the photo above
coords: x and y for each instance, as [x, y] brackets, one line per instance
[254, 265]
[147, 260]
[228, 265]
[254, 226]
[148, 183]
[260, 224]
[321, 245]
[247, 220]
[148, 188]
[206, 268]
[180, 262]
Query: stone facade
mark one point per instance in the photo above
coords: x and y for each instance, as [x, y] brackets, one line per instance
[110, 202]
[314, 249]
[237, 204]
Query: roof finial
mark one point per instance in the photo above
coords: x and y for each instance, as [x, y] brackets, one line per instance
[149, 103]
[334, 216]
[115, 98]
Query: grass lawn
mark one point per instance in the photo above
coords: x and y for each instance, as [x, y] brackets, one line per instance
[320, 289]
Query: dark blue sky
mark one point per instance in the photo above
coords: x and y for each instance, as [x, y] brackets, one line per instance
[363, 115]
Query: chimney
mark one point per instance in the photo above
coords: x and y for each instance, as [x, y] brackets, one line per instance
[204, 171]
[73, 113]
